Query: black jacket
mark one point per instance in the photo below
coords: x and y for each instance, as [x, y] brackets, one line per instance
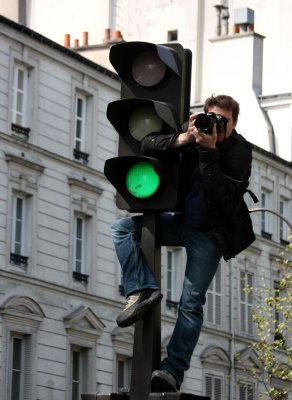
[224, 174]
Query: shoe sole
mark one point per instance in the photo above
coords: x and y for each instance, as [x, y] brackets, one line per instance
[145, 306]
[159, 385]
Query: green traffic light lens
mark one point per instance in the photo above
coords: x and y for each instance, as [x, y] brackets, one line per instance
[141, 180]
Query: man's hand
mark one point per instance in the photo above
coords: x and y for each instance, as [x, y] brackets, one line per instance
[193, 135]
[206, 140]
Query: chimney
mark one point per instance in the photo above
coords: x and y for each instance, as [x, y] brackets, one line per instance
[243, 20]
[107, 34]
[67, 40]
[117, 35]
[76, 42]
[222, 20]
[225, 21]
[85, 39]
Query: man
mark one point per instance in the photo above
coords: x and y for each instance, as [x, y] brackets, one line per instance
[214, 221]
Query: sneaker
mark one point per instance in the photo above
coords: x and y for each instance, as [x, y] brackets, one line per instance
[137, 304]
[162, 381]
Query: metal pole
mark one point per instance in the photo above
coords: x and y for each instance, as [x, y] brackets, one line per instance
[147, 339]
[251, 210]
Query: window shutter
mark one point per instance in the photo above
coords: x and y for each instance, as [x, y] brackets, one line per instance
[213, 387]
[217, 389]
[218, 310]
[210, 307]
[241, 392]
[27, 368]
[208, 386]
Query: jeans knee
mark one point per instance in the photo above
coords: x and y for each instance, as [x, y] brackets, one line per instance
[117, 230]
[192, 303]
[193, 312]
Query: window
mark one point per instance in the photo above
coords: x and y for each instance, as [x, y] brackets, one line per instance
[265, 216]
[246, 302]
[79, 371]
[19, 117]
[246, 391]
[83, 329]
[214, 387]
[124, 367]
[214, 299]
[18, 230]
[279, 294]
[20, 367]
[21, 317]
[81, 247]
[172, 270]
[172, 36]
[283, 225]
[83, 232]
[80, 127]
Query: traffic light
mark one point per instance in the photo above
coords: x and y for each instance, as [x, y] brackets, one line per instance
[155, 94]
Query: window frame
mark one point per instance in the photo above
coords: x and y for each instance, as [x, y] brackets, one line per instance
[20, 257]
[83, 273]
[245, 302]
[126, 362]
[283, 227]
[82, 120]
[213, 377]
[16, 91]
[172, 285]
[265, 222]
[16, 219]
[172, 35]
[83, 360]
[82, 143]
[25, 367]
[245, 385]
[216, 296]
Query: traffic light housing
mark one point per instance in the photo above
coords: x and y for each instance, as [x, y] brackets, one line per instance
[155, 95]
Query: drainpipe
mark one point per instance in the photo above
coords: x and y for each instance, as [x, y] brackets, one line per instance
[271, 132]
[231, 328]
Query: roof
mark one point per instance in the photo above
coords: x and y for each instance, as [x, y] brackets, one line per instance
[50, 43]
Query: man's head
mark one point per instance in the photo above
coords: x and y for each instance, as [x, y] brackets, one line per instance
[228, 108]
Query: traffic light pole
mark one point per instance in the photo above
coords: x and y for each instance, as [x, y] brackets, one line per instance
[147, 340]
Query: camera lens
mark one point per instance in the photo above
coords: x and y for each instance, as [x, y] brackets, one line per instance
[204, 123]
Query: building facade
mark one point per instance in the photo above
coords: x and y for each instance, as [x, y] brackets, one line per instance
[60, 289]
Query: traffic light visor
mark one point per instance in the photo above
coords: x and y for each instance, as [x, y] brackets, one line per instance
[144, 120]
[148, 69]
[141, 180]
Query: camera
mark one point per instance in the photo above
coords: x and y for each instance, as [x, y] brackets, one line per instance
[205, 122]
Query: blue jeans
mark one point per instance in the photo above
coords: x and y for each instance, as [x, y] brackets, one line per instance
[203, 256]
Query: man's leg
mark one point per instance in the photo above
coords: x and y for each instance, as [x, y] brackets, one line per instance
[141, 289]
[126, 235]
[140, 286]
[203, 256]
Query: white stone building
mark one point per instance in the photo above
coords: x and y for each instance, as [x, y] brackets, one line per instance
[58, 272]
[58, 309]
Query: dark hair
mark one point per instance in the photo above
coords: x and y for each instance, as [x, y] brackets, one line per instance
[225, 102]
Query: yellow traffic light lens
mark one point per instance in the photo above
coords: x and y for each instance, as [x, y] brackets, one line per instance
[148, 70]
[141, 180]
[143, 121]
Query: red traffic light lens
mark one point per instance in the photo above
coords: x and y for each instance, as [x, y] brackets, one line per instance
[148, 70]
